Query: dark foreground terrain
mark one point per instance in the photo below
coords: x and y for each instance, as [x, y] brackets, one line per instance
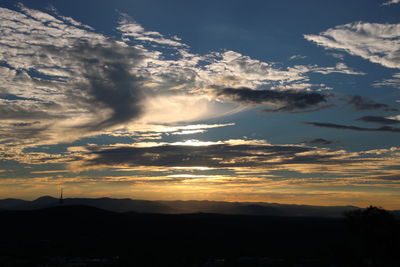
[88, 236]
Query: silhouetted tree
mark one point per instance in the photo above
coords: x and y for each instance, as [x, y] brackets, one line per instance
[374, 237]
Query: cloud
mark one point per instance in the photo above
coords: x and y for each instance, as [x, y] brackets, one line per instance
[44, 82]
[75, 82]
[204, 154]
[286, 101]
[378, 43]
[391, 82]
[363, 103]
[69, 20]
[378, 120]
[339, 68]
[318, 141]
[354, 128]
[129, 28]
[157, 131]
[231, 68]
[297, 57]
[234, 159]
[394, 177]
[112, 91]
[336, 55]
[391, 2]
[86, 83]
[243, 163]
[396, 117]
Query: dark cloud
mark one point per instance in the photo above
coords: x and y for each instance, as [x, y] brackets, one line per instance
[378, 120]
[15, 97]
[354, 128]
[18, 110]
[108, 84]
[318, 141]
[394, 177]
[219, 156]
[362, 103]
[287, 101]
[25, 124]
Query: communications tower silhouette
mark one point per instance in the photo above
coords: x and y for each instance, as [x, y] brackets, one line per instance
[61, 201]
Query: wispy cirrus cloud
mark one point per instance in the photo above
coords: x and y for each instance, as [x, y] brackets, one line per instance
[297, 57]
[131, 29]
[391, 2]
[389, 82]
[339, 68]
[378, 43]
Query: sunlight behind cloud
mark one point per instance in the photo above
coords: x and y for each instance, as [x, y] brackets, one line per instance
[185, 108]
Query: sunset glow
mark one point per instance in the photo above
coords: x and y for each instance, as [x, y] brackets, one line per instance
[252, 102]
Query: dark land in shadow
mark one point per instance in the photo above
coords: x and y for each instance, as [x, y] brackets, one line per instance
[82, 235]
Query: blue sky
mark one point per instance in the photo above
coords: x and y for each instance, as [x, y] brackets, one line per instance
[277, 101]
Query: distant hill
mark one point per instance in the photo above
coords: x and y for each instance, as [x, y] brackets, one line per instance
[181, 207]
[259, 208]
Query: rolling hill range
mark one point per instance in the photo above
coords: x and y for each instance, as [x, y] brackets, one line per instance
[181, 207]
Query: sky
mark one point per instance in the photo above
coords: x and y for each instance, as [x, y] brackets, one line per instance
[253, 101]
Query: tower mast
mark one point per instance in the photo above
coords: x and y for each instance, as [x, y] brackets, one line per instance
[61, 201]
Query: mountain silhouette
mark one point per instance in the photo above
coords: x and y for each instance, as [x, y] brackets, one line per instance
[181, 207]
